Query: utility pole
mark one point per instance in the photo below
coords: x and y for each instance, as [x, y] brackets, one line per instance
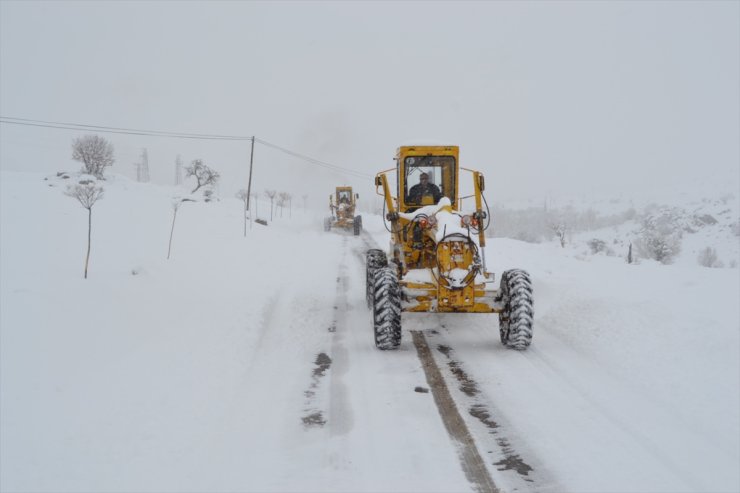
[142, 167]
[249, 185]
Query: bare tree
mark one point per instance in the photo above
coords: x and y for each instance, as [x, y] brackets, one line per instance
[271, 194]
[283, 198]
[244, 197]
[86, 194]
[95, 153]
[203, 175]
[176, 203]
[255, 196]
[305, 198]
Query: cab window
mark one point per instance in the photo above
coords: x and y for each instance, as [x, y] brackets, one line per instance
[440, 171]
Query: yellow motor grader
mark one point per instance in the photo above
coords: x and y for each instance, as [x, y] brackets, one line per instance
[342, 206]
[437, 261]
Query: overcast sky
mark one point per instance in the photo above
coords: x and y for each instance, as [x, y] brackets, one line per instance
[547, 98]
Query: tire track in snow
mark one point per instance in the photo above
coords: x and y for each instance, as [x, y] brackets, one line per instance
[511, 460]
[337, 414]
[315, 417]
[476, 469]
[513, 469]
[340, 412]
[268, 315]
[471, 461]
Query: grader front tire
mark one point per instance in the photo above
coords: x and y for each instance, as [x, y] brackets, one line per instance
[387, 309]
[517, 318]
[374, 260]
[357, 225]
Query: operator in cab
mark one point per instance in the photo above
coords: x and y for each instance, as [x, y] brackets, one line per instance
[424, 189]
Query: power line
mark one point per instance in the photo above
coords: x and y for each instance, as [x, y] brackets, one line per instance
[116, 130]
[176, 135]
[158, 132]
[309, 159]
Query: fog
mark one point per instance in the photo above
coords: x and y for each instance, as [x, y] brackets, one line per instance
[546, 98]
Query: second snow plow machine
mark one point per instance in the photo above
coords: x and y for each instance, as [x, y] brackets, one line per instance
[342, 206]
[436, 261]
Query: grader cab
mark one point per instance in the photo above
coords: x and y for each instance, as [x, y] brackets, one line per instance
[437, 261]
[342, 207]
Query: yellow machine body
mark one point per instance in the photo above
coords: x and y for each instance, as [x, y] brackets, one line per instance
[342, 206]
[437, 273]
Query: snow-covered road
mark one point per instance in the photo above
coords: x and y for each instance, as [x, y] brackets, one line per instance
[248, 364]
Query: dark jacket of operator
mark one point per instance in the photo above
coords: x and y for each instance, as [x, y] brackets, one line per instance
[424, 188]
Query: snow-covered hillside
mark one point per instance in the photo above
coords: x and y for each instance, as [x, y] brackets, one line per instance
[688, 231]
[246, 363]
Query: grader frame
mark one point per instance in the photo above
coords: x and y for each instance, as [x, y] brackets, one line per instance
[342, 205]
[436, 261]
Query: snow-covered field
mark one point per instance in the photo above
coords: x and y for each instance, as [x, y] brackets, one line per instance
[247, 363]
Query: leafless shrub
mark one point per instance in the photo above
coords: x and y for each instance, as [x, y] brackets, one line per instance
[658, 246]
[708, 258]
[660, 236]
[599, 246]
[94, 152]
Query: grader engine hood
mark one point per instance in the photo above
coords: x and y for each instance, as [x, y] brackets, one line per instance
[456, 264]
[458, 261]
[345, 211]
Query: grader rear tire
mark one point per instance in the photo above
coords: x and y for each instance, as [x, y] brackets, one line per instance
[517, 318]
[387, 309]
[374, 260]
